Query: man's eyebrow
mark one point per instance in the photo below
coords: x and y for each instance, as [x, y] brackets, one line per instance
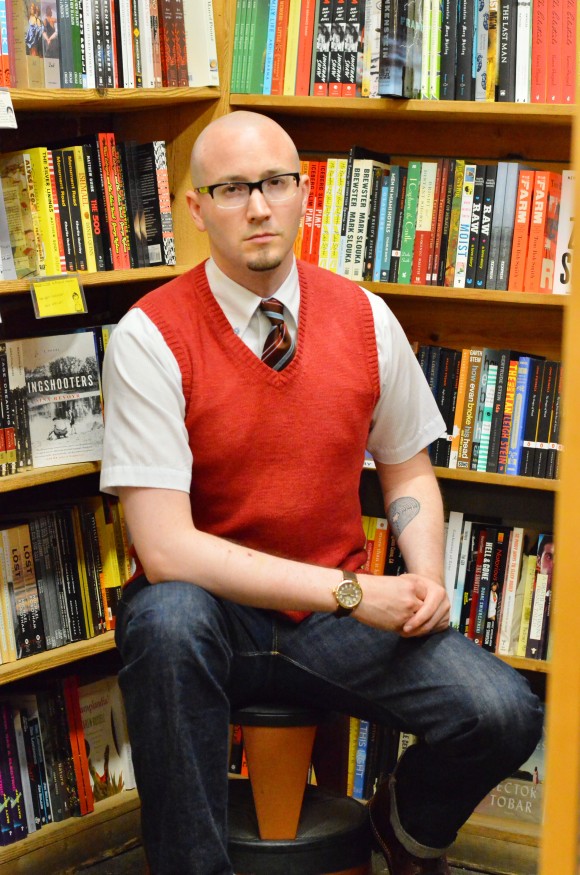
[233, 177]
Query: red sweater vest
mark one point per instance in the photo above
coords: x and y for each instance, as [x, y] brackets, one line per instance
[277, 455]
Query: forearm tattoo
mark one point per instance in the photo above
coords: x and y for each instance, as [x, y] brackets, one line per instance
[400, 513]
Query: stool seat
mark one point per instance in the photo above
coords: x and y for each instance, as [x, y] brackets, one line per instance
[333, 837]
[266, 714]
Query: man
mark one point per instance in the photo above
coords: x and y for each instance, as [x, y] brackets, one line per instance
[239, 480]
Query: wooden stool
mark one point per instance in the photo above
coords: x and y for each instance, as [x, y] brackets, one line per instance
[277, 824]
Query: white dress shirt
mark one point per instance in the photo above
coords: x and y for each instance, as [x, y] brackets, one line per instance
[146, 442]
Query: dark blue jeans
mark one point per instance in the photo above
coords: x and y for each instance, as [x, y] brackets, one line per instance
[188, 657]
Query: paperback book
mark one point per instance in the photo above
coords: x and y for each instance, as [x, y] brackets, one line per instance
[63, 398]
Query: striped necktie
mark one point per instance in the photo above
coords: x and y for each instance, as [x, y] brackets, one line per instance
[279, 347]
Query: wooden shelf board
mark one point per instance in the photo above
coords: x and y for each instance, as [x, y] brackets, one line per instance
[485, 296]
[31, 665]
[52, 474]
[516, 482]
[105, 278]
[106, 99]
[525, 664]
[496, 846]
[70, 839]
[459, 112]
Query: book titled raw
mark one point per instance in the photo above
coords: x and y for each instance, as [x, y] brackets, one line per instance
[63, 398]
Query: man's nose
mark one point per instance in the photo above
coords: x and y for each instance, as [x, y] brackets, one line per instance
[257, 203]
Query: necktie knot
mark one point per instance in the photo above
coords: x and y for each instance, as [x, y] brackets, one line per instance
[279, 347]
[273, 309]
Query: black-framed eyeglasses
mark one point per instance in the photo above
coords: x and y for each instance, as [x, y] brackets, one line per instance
[274, 189]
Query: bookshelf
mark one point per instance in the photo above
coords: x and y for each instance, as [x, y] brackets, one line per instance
[535, 133]
[175, 115]
[543, 137]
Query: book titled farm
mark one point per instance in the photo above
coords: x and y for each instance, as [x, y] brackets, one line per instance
[63, 398]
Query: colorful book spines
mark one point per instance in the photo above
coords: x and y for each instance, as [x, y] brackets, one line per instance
[337, 61]
[441, 223]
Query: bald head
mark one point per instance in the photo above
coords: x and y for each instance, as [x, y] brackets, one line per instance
[243, 133]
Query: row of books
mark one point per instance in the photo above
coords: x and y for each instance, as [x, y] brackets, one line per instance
[62, 748]
[374, 750]
[61, 575]
[51, 405]
[499, 583]
[110, 44]
[85, 207]
[501, 408]
[449, 222]
[494, 50]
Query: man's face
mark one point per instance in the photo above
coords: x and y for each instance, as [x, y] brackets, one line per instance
[256, 238]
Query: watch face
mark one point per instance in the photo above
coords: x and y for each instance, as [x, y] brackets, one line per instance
[348, 594]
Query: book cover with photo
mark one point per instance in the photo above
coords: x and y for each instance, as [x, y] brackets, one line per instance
[520, 797]
[63, 398]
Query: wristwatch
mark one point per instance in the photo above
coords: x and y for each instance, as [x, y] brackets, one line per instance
[348, 594]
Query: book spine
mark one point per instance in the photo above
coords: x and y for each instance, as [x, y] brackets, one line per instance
[336, 52]
[475, 226]
[531, 418]
[409, 222]
[569, 52]
[40, 166]
[279, 60]
[453, 232]
[180, 44]
[518, 415]
[464, 228]
[521, 230]
[270, 40]
[119, 185]
[75, 209]
[448, 50]
[63, 209]
[547, 400]
[539, 51]
[423, 223]
[322, 50]
[160, 155]
[85, 207]
[523, 37]
[506, 51]
[352, 40]
[537, 233]
[485, 228]
[470, 408]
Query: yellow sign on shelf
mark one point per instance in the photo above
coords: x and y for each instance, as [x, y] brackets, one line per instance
[58, 296]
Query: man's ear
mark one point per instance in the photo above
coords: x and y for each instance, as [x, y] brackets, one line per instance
[193, 204]
[305, 183]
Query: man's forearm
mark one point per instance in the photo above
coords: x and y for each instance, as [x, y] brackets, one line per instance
[415, 512]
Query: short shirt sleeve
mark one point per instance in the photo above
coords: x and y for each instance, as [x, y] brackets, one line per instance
[146, 441]
[406, 418]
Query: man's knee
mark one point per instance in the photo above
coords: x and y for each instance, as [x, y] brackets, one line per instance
[170, 615]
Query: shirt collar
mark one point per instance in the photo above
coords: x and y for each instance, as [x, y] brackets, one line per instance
[239, 304]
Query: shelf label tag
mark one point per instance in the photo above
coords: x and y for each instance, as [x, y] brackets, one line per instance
[7, 115]
[57, 296]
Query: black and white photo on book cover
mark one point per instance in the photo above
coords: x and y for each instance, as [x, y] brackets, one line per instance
[64, 398]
